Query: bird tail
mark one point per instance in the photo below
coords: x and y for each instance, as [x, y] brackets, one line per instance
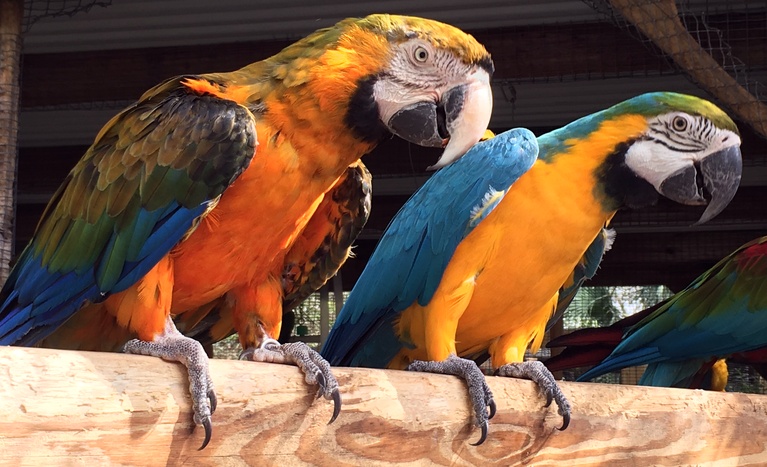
[588, 347]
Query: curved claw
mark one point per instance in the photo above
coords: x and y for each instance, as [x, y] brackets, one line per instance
[484, 435]
[247, 354]
[213, 401]
[565, 421]
[549, 398]
[321, 382]
[492, 408]
[208, 432]
[337, 406]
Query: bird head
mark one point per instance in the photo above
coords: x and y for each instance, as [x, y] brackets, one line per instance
[679, 146]
[424, 81]
[690, 152]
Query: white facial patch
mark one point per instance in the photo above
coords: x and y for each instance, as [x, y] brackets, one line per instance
[666, 149]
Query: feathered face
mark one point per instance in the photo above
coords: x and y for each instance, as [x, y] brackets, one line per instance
[423, 80]
[689, 159]
[430, 97]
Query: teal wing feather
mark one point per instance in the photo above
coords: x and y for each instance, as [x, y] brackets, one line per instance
[724, 311]
[150, 174]
[416, 247]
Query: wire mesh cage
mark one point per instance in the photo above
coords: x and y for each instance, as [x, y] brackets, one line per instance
[712, 43]
[592, 307]
[35, 10]
[602, 306]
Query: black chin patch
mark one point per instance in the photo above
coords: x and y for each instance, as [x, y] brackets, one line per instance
[621, 185]
[362, 114]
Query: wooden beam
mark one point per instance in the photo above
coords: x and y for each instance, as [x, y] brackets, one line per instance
[659, 21]
[66, 408]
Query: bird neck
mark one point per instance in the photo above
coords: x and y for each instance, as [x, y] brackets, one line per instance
[596, 147]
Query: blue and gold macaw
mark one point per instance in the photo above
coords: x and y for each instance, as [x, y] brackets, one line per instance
[721, 313]
[475, 260]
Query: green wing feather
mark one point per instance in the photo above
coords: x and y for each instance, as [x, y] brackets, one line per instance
[136, 192]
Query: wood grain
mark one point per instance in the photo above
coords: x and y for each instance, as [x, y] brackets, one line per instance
[87, 408]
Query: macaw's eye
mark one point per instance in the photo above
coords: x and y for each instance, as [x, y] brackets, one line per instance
[679, 123]
[420, 54]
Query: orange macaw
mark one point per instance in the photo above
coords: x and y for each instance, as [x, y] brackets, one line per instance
[198, 192]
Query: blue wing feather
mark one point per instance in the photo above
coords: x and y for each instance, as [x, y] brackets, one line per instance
[48, 298]
[98, 238]
[416, 247]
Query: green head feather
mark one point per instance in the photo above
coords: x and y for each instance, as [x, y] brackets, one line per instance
[647, 105]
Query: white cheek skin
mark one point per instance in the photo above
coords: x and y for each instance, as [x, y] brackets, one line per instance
[654, 162]
[392, 97]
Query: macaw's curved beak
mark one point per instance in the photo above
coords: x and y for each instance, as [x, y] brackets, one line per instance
[712, 181]
[457, 121]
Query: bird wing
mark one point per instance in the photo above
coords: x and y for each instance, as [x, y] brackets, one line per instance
[416, 247]
[153, 171]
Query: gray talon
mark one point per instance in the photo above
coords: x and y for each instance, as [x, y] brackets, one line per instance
[540, 375]
[336, 406]
[321, 383]
[482, 437]
[491, 406]
[247, 354]
[479, 392]
[213, 400]
[208, 433]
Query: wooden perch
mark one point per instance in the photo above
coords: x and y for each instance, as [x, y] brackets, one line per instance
[87, 408]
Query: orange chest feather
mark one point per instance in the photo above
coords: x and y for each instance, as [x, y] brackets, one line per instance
[245, 237]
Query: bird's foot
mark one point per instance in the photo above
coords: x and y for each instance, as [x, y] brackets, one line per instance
[479, 391]
[172, 345]
[540, 375]
[315, 368]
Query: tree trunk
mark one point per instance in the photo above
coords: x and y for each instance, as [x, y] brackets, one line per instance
[11, 14]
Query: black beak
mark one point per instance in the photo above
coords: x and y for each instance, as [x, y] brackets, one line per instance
[426, 123]
[712, 181]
